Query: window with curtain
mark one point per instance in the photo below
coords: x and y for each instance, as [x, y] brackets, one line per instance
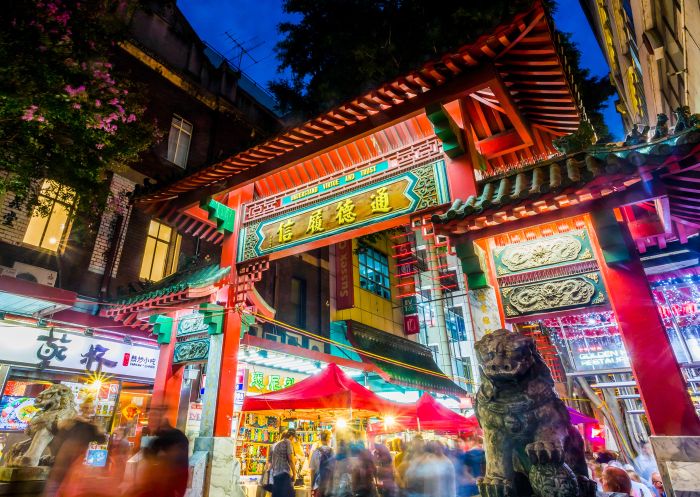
[161, 252]
[179, 140]
[50, 231]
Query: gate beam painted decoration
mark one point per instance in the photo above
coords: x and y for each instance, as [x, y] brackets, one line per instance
[407, 192]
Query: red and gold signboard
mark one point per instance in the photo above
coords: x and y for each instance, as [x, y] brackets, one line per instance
[409, 191]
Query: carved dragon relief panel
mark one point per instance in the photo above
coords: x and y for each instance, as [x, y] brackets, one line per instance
[544, 252]
[552, 295]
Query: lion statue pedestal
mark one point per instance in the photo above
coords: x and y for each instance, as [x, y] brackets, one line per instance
[56, 405]
[531, 446]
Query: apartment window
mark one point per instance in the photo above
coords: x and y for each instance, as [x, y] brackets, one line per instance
[374, 272]
[49, 224]
[161, 253]
[298, 300]
[179, 141]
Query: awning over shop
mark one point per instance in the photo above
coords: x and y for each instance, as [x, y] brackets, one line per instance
[193, 285]
[429, 414]
[329, 389]
[580, 419]
[397, 351]
[27, 298]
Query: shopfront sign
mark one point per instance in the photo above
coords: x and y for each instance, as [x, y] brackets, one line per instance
[599, 354]
[260, 382]
[409, 191]
[344, 289]
[53, 348]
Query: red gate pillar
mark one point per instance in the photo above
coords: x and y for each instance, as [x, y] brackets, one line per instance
[661, 384]
[232, 321]
[166, 386]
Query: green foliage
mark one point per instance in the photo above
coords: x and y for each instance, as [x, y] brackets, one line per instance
[341, 48]
[66, 113]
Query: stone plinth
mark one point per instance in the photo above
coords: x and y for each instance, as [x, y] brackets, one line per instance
[23, 474]
[679, 464]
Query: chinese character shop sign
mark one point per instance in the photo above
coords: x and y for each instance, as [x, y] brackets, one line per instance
[409, 191]
[52, 348]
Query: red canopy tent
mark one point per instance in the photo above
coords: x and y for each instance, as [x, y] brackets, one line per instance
[429, 414]
[331, 389]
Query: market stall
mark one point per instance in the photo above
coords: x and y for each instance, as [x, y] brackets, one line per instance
[328, 400]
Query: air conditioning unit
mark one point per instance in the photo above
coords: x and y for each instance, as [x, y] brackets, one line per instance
[35, 274]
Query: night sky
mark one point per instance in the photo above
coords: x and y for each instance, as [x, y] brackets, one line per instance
[253, 23]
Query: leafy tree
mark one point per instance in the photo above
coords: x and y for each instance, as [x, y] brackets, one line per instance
[66, 114]
[341, 48]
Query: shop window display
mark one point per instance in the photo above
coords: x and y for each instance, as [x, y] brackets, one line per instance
[109, 404]
[678, 299]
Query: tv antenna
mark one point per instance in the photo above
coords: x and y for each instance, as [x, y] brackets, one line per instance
[240, 51]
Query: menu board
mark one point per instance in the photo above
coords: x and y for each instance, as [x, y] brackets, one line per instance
[16, 412]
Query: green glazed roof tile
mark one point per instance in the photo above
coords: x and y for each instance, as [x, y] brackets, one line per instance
[195, 277]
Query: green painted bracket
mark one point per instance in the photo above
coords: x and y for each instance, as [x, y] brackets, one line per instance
[447, 130]
[471, 266]
[224, 216]
[213, 317]
[162, 326]
[610, 237]
[246, 321]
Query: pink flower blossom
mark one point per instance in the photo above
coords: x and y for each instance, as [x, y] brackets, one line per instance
[76, 106]
[100, 146]
[131, 118]
[29, 113]
[74, 91]
[114, 101]
[98, 103]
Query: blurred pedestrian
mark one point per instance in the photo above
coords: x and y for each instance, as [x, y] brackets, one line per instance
[283, 465]
[658, 484]
[616, 481]
[645, 462]
[164, 468]
[473, 464]
[67, 475]
[364, 474]
[431, 474]
[341, 482]
[386, 479]
[119, 452]
[639, 489]
[321, 467]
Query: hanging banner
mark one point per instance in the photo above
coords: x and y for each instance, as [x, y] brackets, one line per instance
[409, 191]
[411, 325]
[344, 289]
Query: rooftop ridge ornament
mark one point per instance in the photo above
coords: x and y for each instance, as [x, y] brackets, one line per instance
[222, 215]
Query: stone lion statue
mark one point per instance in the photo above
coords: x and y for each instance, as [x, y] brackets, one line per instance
[531, 446]
[56, 406]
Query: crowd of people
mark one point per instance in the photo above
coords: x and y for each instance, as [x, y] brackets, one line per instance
[620, 479]
[418, 468]
[348, 468]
